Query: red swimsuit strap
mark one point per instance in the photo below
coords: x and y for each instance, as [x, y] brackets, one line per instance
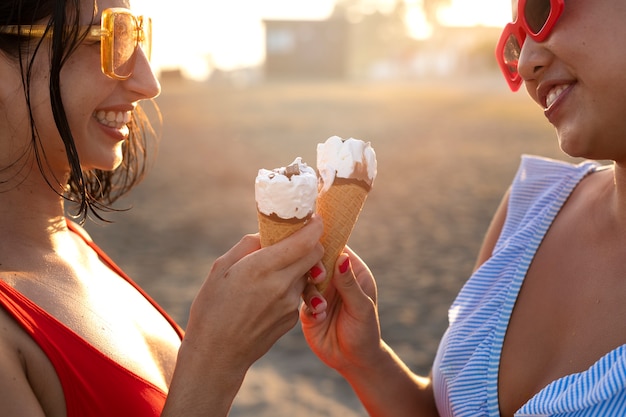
[93, 384]
[105, 258]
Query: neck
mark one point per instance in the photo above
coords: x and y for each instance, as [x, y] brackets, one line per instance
[30, 214]
[617, 188]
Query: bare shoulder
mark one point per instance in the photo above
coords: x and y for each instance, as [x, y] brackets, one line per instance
[28, 383]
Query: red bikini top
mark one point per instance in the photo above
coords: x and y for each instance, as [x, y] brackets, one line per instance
[93, 384]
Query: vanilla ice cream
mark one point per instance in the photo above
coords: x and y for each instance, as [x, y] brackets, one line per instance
[350, 159]
[288, 192]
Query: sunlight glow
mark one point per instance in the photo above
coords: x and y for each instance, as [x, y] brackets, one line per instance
[476, 12]
[416, 22]
[198, 37]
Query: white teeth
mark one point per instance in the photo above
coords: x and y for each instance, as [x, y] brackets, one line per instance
[113, 119]
[554, 94]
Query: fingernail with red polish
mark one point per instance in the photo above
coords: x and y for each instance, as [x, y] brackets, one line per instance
[315, 271]
[316, 301]
[344, 266]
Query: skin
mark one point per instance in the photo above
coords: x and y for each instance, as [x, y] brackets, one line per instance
[579, 262]
[347, 338]
[570, 310]
[54, 267]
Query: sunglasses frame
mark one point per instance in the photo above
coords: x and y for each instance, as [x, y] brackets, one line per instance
[103, 33]
[517, 31]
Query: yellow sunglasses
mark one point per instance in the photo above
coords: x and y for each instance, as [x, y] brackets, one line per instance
[120, 34]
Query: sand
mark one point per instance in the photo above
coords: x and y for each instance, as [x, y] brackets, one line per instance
[419, 232]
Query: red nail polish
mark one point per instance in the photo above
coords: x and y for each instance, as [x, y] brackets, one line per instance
[315, 271]
[315, 301]
[344, 266]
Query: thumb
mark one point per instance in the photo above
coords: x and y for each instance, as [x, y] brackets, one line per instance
[346, 284]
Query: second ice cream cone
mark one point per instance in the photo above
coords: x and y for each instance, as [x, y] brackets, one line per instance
[339, 207]
[347, 169]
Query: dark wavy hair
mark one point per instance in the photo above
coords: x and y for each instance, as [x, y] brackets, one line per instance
[92, 191]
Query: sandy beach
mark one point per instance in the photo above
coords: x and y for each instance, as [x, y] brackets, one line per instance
[446, 152]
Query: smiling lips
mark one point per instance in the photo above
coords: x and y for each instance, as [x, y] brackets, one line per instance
[113, 119]
[554, 94]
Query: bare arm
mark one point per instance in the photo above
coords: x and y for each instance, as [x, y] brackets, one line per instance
[389, 388]
[348, 340]
[494, 231]
[17, 396]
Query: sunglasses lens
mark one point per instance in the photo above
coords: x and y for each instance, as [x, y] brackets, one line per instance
[510, 54]
[124, 44]
[536, 14]
[122, 34]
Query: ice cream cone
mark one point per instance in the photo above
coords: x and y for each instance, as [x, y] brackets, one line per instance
[285, 200]
[339, 207]
[273, 229]
[347, 169]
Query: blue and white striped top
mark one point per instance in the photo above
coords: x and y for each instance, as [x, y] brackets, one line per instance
[465, 372]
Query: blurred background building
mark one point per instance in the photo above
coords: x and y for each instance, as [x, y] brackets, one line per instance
[353, 40]
[373, 50]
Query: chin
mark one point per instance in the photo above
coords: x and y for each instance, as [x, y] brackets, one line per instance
[102, 165]
[117, 163]
[585, 154]
[573, 147]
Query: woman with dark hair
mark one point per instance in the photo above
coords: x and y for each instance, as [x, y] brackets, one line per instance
[77, 336]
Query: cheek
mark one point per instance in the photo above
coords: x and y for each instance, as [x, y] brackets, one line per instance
[40, 103]
[43, 118]
[17, 111]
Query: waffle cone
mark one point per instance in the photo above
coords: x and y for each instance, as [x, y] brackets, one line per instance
[273, 229]
[339, 207]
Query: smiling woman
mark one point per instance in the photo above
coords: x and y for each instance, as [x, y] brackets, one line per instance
[78, 337]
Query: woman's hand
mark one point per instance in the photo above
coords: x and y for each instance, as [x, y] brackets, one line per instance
[248, 301]
[346, 336]
[251, 297]
[347, 333]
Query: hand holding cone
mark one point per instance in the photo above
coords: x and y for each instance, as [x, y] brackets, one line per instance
[287, 197]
